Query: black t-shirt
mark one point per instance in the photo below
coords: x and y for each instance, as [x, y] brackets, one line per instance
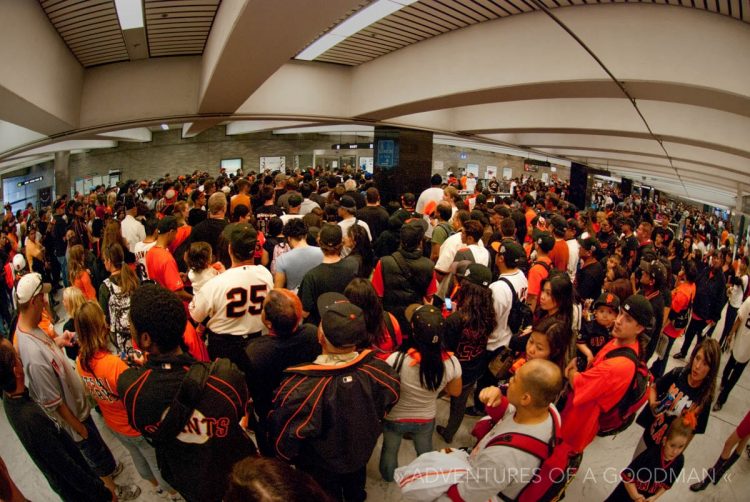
[324, 278]
[650, 473]
[376, 218]
[53, 452]
[196, 215]
[209, 230]
[268, 357]
[675, 397]
[468, 345]
[264, 214]
[589, 281]
[594, 335]
[198, 460]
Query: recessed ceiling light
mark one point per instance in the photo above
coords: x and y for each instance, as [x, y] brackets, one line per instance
[354, 24]
[130, 13]
[165, 127]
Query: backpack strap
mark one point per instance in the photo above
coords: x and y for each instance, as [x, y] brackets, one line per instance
[629, 354]
[399, 362]
[530, 444]
[544, 264]
[390, 327]
[185, 401]
[512, 289]
[402, 265]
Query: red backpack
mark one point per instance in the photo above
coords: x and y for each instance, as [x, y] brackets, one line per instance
[621, 415]
[558, 467]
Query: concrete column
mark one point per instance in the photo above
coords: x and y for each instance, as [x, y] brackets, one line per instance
[403, 161]
[62, 173]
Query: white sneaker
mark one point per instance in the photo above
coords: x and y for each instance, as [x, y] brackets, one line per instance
[127, 492]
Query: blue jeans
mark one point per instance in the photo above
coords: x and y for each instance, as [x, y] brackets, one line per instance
[63, 261]
[144, 458]
[95, 451]
[392, 434]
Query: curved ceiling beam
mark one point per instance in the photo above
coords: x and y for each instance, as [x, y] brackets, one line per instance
[529, 54]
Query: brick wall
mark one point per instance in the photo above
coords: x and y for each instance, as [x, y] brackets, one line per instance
[168, 152]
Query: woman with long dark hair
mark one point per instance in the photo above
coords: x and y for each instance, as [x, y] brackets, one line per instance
[358, 241]
[557, 300]
[466, 333]
[682, 391]
[424, 370]
[114, 295]
[383, 331]
[100, 369]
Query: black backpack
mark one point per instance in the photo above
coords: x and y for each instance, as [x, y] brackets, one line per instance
[681, 319]
[520, 314]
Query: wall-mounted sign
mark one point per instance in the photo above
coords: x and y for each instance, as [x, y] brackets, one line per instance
[463, 155]
[29, 181]
[351, 146]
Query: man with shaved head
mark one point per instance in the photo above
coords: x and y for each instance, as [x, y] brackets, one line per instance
[498, 468]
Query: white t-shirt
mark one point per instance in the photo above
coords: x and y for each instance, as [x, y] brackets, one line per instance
[448, 250]
[348, 222]
[736, 293]
[502, 468]
[573, 254]
[503, 301]
[416, 402]
[140, 249]
[132, 231]
[200, 277]
[233, 300]
[741, 344]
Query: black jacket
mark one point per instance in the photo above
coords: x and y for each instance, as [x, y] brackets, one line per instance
[710, 294]
[196, 461]
[331, 416]
[404, 287]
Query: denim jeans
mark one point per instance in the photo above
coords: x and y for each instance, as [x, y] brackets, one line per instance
[144, 458]
[392, 434]
[95, 451]
[63, 261]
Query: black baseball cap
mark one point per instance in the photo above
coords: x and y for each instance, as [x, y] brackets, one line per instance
[330, 235]
[610, 300]
[640, 309]
[343, 322]
[478, 274]
[348, 203]
[167, 224]
[545, 241]
[512, 253]
[427, 322]
[242, 237]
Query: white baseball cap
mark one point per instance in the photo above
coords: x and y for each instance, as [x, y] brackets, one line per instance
[19, 262]
[29, 286]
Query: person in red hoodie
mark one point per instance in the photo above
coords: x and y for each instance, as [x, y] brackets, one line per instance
[604, 383]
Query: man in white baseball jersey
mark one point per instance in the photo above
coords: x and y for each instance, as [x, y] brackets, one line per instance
[233, 301]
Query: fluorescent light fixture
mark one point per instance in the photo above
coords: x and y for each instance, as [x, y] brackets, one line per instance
[165, 127]
[354, 24]
[130, 13]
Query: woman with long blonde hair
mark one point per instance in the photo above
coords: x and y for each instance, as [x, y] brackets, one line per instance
[100, 369]
[78, 273]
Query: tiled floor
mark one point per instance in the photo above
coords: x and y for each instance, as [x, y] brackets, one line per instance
[597, 477]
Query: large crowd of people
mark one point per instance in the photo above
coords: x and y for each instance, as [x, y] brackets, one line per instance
[252, 336]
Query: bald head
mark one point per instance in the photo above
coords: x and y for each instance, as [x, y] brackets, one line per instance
[542, 379]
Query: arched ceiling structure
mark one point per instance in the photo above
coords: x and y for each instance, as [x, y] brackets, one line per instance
[658, 91]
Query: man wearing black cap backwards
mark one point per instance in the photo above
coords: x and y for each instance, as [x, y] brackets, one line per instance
[328, 414]
[604, 383]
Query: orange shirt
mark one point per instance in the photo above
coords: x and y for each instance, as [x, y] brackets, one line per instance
[183, 233]
[101, 384]
[682, 295]
[237, 200]
[537, 273]
[83, 282]
[595, 391]
[559, 255]
[162, 268]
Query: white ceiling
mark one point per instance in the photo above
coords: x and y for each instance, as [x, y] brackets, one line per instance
[656, 90]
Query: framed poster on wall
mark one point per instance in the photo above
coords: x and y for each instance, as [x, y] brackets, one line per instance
[472, 169]
[273, 163]
[491, 172]
[507, 173]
